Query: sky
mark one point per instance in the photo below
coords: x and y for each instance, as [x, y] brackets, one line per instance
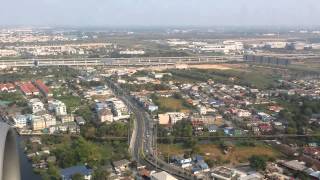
[160, 12]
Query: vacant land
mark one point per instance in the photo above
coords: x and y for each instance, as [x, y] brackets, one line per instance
[169, 104]
[237, 154]
[255, 78]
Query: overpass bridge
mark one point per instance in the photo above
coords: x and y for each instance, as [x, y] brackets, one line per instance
[145, 61]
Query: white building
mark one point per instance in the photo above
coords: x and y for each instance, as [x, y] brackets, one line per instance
[162, 176]
[276, 45]
[243, 113]
[132, 52]
[8, 53]
[49, 120]
[36, 105]
[21, 121]
[58, 107]
[119, 109]
[105, 115]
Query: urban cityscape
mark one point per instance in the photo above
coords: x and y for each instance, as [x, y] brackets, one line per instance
[160, 102]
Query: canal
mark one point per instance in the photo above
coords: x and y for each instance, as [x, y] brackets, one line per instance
[26, 165]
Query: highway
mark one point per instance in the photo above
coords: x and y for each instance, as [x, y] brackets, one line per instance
[141, 144]
[114, 62]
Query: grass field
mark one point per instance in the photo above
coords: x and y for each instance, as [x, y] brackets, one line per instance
[257, 78]
[167, 104]
[239, 154]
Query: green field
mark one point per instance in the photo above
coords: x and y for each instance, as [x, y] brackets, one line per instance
[214, 152]
[251, 77]
[171, 104]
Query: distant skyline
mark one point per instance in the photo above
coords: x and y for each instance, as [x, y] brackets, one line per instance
[160, 13]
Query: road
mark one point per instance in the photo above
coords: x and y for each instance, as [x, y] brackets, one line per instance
[142, 137]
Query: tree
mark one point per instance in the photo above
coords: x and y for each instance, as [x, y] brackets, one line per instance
[53, 171]
[258, 162]
[77, 176]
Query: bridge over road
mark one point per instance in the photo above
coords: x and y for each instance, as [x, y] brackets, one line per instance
[145, 61]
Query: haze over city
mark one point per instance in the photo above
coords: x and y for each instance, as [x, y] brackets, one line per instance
[160, 12]
[160, 89]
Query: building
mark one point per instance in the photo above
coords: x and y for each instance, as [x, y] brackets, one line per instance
[38, 123]
[8, 53]
[164, 119]
[224, 173]
[28, 89]
[8, 87]
[170, 117]
[58, 107]
[243, 113]
[36, 105]
[21, 121]
[66, 118]
[162, 176]
[122, 165]
[43, 88]
[105, 115]
[132, 52]
[49, 120]
[66, 174]
[119, 109]
[80, 121]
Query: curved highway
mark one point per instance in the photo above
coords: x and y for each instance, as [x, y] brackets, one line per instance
[142, 137]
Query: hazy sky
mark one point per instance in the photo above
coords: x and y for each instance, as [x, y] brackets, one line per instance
[159, 12]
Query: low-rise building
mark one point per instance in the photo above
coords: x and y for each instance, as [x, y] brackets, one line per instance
[66, 174]
[122, 165]
[58, 107]
[21, 121]
[43, 88]
[36, 105]
[162, 176]
[105, 115]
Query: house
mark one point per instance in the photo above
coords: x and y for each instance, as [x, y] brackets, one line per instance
[105, 115]
[36, 105]
[66, 174]
[66, 118]
[80, 121]
[264, 127]
[200, 165]
[243, 113]
[8, 87]
[213, 128]
[162, 176]
[181, 161]
[228, 131]
[152, 107]
[43, 88]
[120, 166]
